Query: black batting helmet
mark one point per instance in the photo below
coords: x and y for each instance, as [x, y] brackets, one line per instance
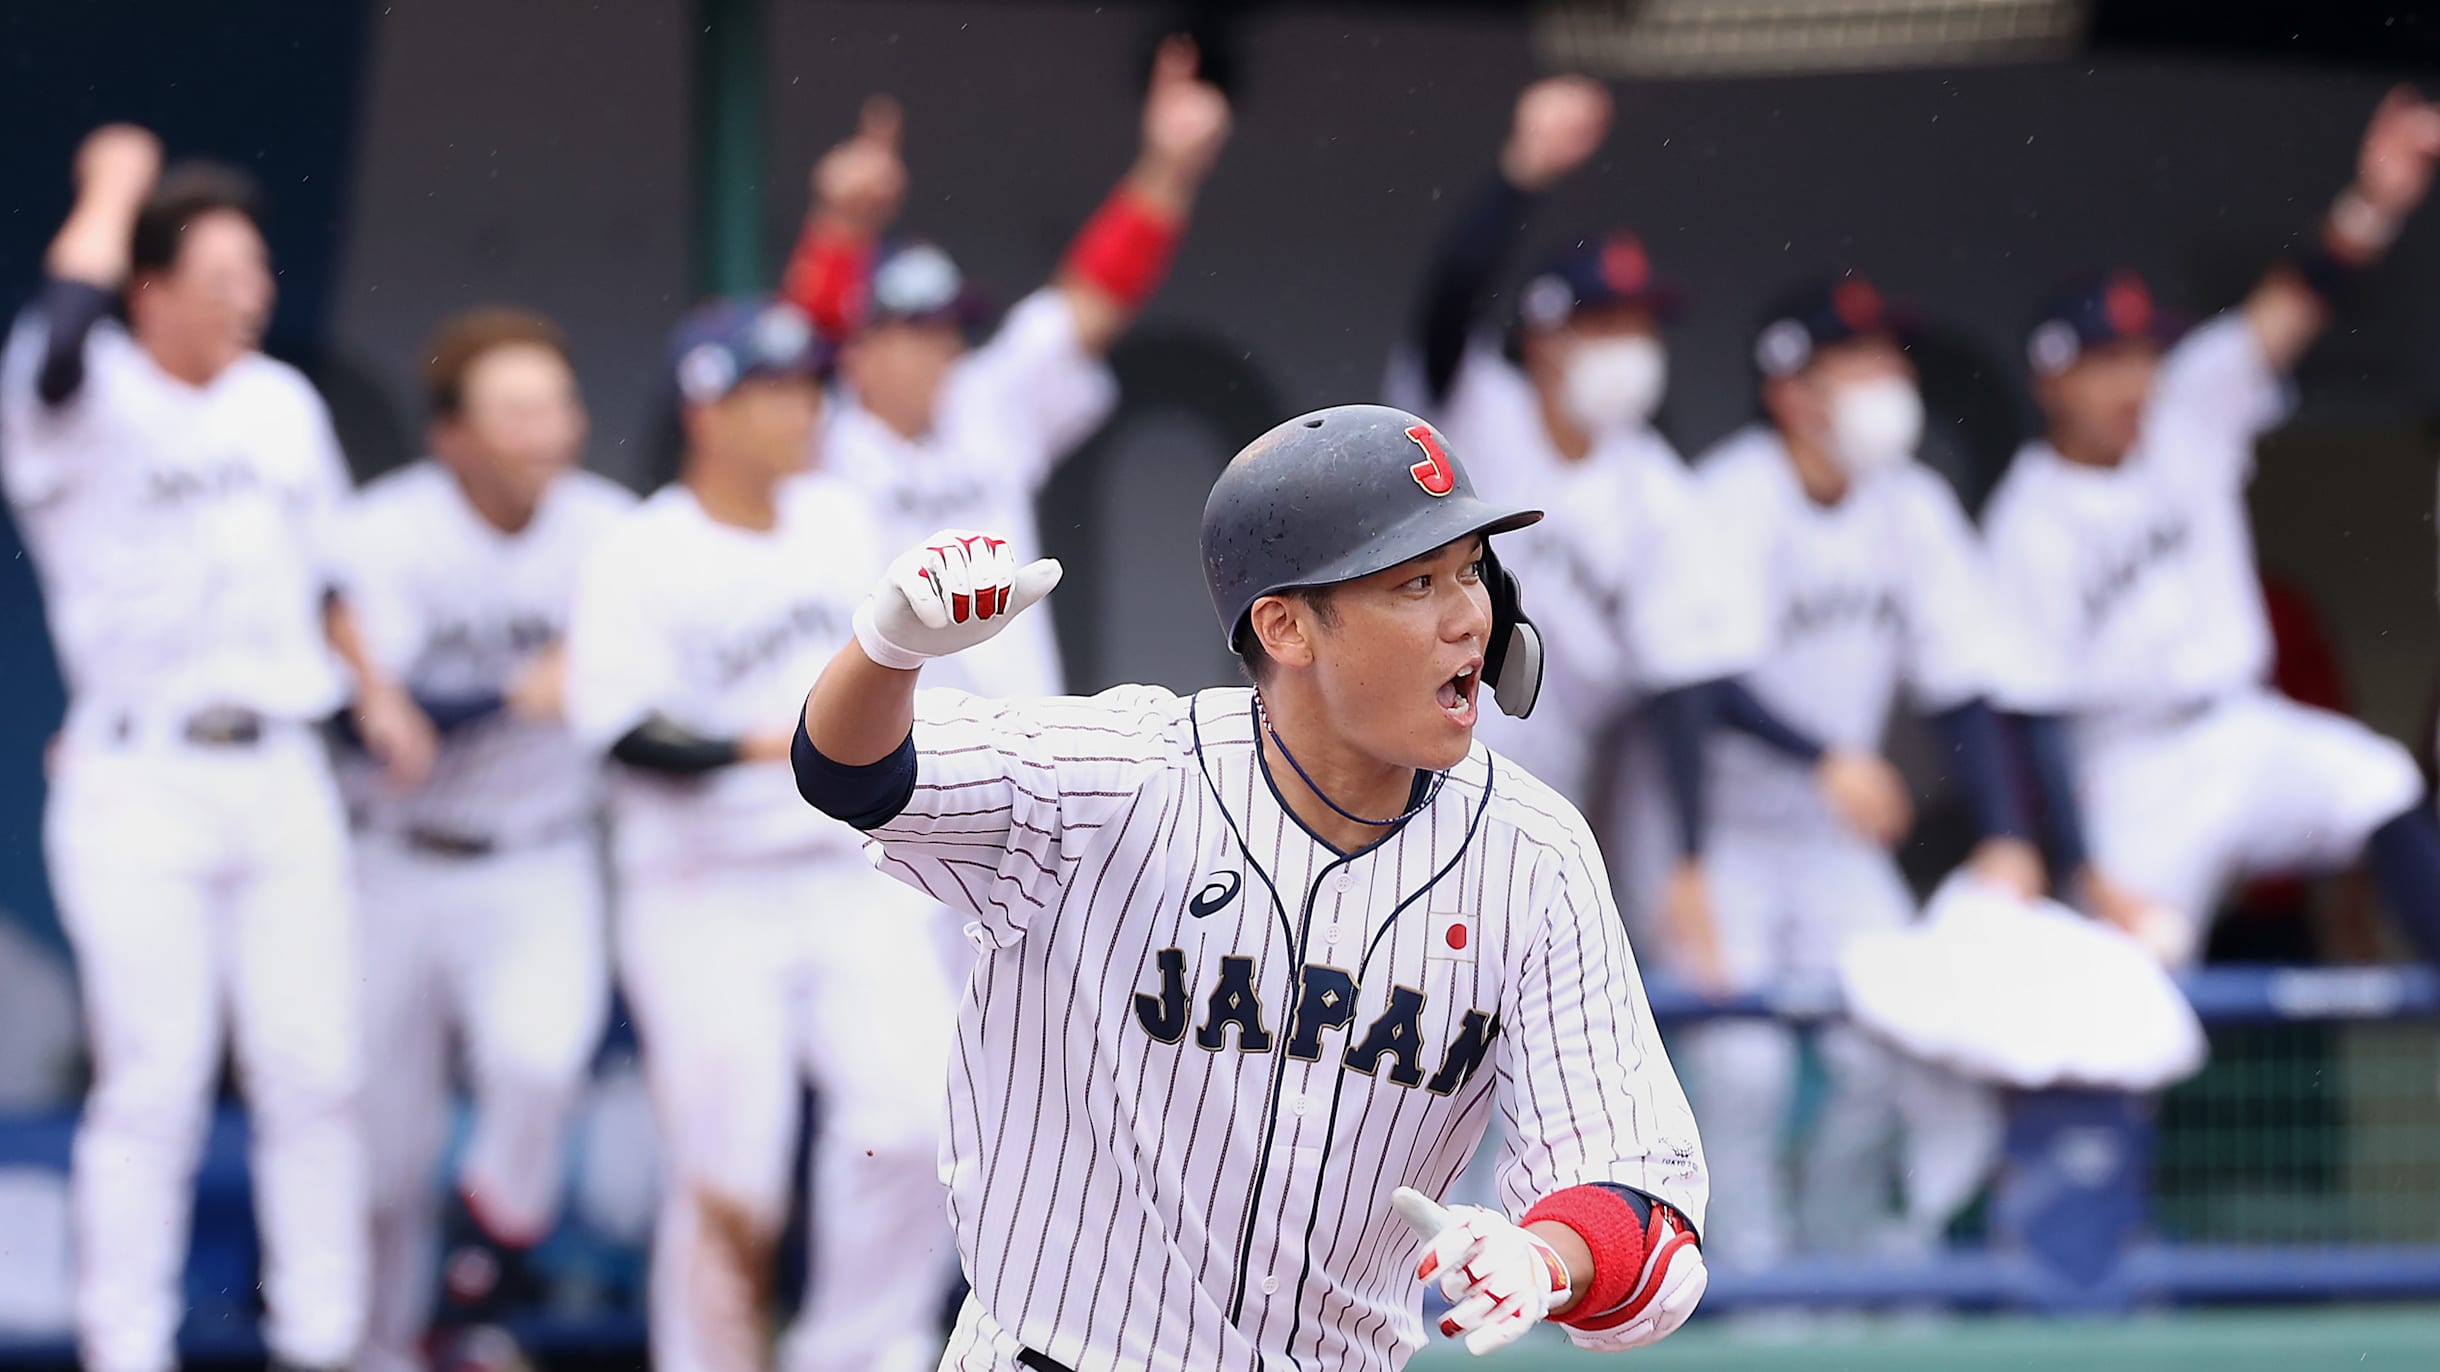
[1346, 492]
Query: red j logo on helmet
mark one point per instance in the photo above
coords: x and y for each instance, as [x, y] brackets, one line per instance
[1433, 474]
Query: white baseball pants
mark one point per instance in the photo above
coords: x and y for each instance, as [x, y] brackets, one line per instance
[509, 950]
[745, 983]
[204, 887]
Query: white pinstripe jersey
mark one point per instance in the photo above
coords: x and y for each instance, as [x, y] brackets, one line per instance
[1201, 1048]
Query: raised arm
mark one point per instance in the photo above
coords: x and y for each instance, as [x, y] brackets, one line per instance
[1123, 251]
[88, 259]
[1560, 123]
[2393, 171]
[858, 188]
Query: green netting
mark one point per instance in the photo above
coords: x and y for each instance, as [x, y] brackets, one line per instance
[2305, 1134]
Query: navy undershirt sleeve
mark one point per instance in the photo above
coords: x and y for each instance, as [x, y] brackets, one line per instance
[2051, 754]
[69, 311]
[1683, 718]
[658, 745]
[1970, 735]
[866, 797]
[1460, 272]
[1742, 711]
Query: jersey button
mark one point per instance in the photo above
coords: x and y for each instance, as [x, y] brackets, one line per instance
[1300, 1104]
[1270, 1286]
[1346, 881]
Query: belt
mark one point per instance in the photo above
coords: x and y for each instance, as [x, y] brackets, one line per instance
[214, 726]
[1040, 1362]
[450, 843]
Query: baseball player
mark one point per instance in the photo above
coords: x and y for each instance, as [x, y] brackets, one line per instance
[176, 489]
[1254, 961]
[756, 945]
[480, 890]
[1621, 567]
[940, 434]
[2121, 538]
[1870, 583]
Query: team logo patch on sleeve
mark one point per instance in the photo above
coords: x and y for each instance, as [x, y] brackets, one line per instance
[1453, 937]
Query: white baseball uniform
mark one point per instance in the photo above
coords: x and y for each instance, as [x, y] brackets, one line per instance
[2137, 590]
[480, 891]
[1880, 592]
[756, 945]
[181, 536]
[1008, 413]
[1622, 579]
[1201, 1049]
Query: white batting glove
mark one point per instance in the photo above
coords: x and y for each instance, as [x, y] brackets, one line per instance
[952, 592]
[1501, 1279]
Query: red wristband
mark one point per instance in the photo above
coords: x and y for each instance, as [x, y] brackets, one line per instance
[1124, 249]
[1618, 1237]
[826, 279]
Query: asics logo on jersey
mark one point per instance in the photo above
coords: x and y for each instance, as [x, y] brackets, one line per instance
[1391, 1047]
[2118, 576]
[1219, 891]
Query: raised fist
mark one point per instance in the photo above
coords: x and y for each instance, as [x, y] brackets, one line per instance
[862, 182]
[946, 595]
[2394, 168]
[119, 159]
[1186, 119]
[1560, 123]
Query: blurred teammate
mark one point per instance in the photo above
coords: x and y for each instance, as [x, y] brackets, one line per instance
[756, 944]
[1870, 585]
[940, 434]
[1621, 572]
[1248, 953]
[481, 889]
[2122, 538]
[177, 490]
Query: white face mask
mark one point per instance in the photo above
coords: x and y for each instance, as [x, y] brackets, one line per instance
[1610, 383]
[1875, 424]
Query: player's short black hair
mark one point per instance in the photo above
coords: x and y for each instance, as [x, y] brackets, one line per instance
[1255, 661]
[185, 193]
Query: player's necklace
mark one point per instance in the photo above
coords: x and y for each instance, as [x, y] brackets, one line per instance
[1421, 804]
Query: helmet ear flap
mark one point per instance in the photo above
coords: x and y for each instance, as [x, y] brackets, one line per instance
[1512, 661]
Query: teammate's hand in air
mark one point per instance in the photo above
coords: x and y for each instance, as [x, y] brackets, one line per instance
[862, 182]
[1560, 123]
[1866, 793]
[118, 159]
[1500, 1279]
[1694, 938]
[396, 732]
[952, 592]
[1186, 119]
[2394, 169]
[2010, 864]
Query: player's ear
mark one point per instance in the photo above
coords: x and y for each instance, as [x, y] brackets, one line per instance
[1280, 624]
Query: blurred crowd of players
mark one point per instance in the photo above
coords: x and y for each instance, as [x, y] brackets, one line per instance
[333, 780]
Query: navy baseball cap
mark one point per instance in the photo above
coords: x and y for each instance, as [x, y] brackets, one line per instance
[1612, 271]
[914, 282]
[2097, 310]
[729, 341]
[1822, 314]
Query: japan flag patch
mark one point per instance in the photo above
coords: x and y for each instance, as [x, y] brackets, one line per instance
[1453, 937]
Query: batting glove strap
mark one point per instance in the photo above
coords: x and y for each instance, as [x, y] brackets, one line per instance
[1635, 1242]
